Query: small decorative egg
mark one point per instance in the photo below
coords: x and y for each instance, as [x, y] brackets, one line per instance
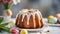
[24, 31]
[12, 22]
[9, 12]
[58, 15]
[53, 20]
[50, 17]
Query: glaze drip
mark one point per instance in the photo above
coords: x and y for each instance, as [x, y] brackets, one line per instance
[31, 21]
[28, 13]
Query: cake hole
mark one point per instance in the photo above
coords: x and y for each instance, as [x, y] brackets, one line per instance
[30, 11]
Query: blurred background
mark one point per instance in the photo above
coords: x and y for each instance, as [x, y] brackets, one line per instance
[47, 7]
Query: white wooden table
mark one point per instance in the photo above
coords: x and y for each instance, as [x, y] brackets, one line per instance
[53, 30]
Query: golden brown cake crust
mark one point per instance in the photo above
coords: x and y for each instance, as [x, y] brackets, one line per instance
[20, 21]
[25, 23]
[29, 18]
[32, 22]
[36, 20]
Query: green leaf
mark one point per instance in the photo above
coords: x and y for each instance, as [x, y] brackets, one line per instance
[5, 29]
[1, 20]
[1, 30]
[3, 25]
[6, 5]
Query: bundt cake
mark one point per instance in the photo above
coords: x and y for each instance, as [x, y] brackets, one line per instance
[29, 18]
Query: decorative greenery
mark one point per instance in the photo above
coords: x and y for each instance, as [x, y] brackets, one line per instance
[8, 3]
[1, 19]
[5, 29]
[6, 6]
[2, 26]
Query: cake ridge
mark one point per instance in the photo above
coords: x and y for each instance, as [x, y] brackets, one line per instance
[28, 13]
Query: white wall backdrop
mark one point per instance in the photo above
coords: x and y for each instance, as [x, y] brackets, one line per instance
[41, 5]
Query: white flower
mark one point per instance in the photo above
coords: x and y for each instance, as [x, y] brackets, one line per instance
[16, 1]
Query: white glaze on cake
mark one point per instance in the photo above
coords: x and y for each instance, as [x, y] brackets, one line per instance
[28, 13]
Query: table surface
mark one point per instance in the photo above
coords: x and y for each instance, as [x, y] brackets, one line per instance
[52, 30]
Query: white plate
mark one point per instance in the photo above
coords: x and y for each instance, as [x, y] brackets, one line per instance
[54, 25]
[46, 23]
[31, 30]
